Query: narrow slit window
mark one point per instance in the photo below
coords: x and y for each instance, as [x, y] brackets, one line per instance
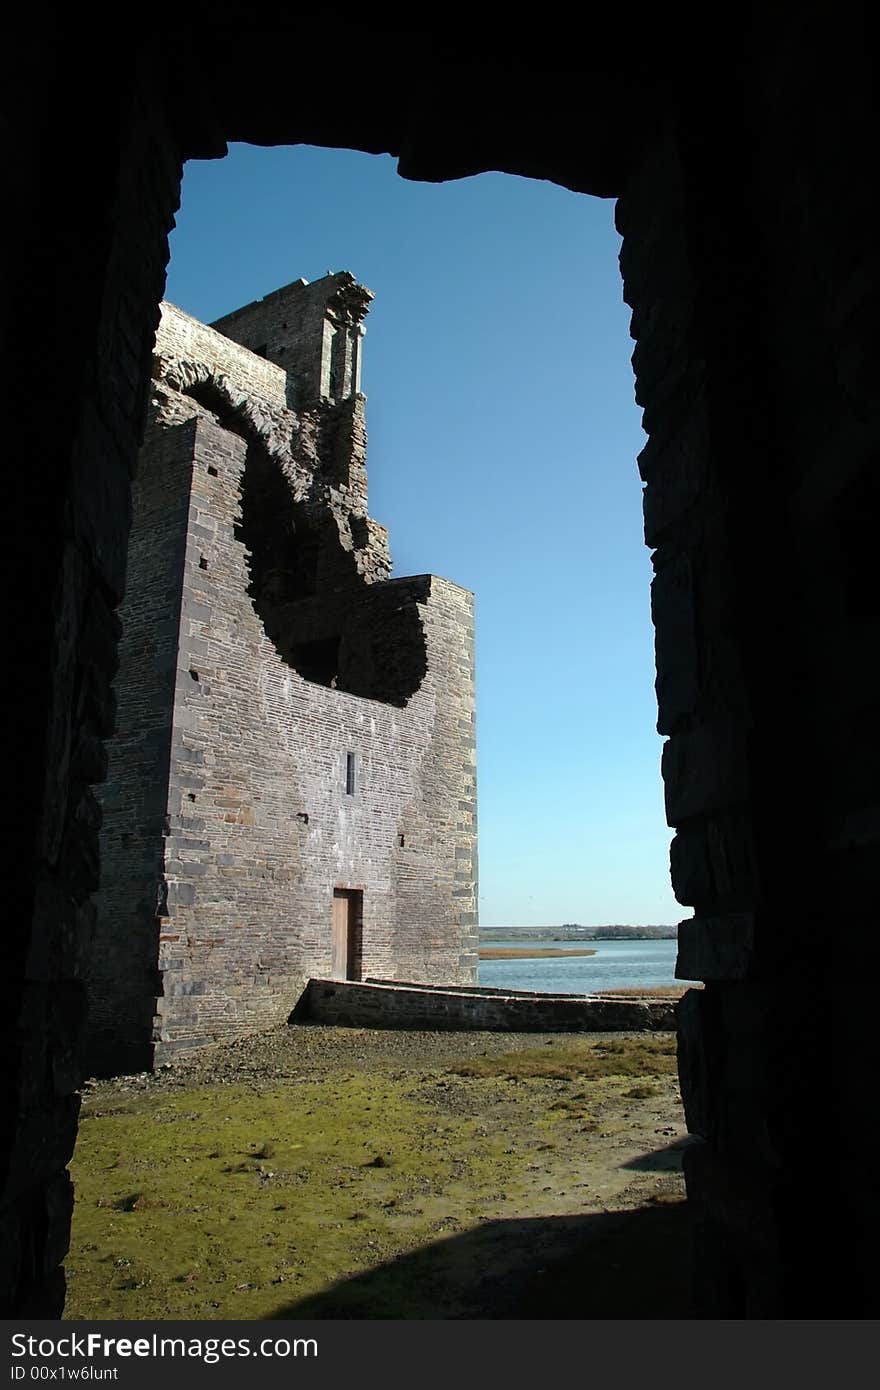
[349, 774]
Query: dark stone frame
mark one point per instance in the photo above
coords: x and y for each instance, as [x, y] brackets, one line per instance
[752, 315]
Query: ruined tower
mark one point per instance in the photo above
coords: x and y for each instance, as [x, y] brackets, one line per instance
[291, 789]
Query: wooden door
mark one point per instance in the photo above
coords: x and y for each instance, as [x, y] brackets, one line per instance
[345, 942]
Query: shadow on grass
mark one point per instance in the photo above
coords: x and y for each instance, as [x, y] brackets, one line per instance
[633, 1264]
[667, 1160]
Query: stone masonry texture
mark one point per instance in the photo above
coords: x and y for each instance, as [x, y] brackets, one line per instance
[229, 814]
[748, 214]
[374, 1004]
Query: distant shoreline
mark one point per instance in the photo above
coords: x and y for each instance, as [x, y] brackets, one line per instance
[528, 952]
[659, 933]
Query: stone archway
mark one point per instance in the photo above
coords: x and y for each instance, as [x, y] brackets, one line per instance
[749, 295]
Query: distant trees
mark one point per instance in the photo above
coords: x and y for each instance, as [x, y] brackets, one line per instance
[618, 932]
[576, 931]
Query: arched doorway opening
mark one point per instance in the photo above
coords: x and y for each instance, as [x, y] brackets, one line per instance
[270, 510]
[713, 258]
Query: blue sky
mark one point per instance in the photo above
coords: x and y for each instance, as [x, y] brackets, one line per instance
[502, 441]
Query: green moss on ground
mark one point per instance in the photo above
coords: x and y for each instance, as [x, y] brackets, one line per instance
[237, 1200]
[579, 1060]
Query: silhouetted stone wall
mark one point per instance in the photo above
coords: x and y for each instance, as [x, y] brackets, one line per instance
[79, 322]
[752, 270]
[755, 390]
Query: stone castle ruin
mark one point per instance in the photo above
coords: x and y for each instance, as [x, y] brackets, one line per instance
[750, 261]
[291, 787]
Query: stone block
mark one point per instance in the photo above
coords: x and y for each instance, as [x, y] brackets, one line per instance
[675, 645]
[716, 948]
[697, 1042]
[690, 872]
[704, 769]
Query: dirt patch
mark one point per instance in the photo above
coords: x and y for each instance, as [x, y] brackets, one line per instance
[320, 1172]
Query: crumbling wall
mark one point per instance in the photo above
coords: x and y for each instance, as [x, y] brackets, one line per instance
[317, 728]
[314, 331]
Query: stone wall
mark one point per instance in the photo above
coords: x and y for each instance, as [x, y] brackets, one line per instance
[378, 1004]
[319, 442]
[751, 366]
[228, 821]
[90, 246]
[752, 265]
[123, 976]
[705, 690]
[182, 338]
[314, 331]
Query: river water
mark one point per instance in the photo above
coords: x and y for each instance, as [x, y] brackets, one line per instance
[616, 965]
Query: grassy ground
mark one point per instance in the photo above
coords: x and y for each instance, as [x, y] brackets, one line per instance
[319, 1172]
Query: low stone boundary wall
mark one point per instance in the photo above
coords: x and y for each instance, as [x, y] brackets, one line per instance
[388, 1004]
